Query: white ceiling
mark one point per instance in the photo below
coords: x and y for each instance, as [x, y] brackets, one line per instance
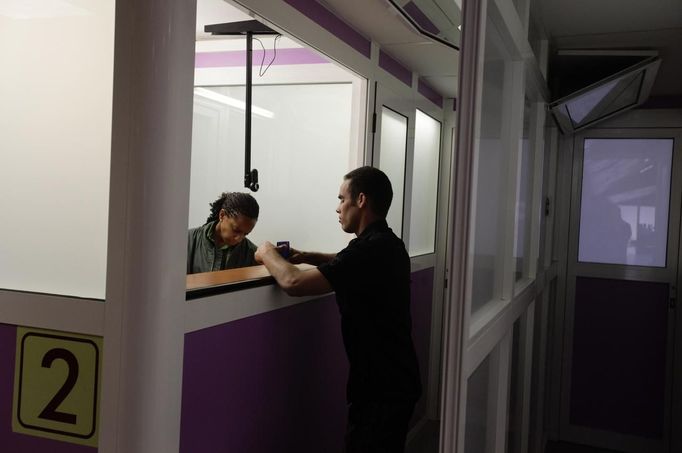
[216, 12]
[434, 62]
[608, 24]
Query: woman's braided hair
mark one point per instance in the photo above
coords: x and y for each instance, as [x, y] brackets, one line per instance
[234, 203]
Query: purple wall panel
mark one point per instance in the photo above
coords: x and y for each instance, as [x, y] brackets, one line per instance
[422, 291]
[327, 20]
[268, 383]
[276, 382]
[11, 442]
[394, 68]
[237, 58]
[429, 93]
[618, 373]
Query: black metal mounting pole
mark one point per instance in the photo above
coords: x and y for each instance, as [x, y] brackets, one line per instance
[248, 28]
[248, 179]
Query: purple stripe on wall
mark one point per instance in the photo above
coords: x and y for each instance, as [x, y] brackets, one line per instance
[420, 18]
[10, 441]
[394, 68]
[429, 93]
[237, 58]
[276, 382]
[326, 19]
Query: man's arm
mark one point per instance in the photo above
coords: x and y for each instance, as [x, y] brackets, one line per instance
[291, 279]
[314, 258]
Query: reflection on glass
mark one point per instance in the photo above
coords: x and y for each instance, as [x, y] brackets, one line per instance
[624, 203]
[605, 99]
[524, 198]
[424, 185]
[392, 152]
[476, 428]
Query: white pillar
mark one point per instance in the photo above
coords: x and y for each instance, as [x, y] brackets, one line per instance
[150, 159]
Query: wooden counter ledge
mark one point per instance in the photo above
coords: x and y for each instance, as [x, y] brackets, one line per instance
[232, 277]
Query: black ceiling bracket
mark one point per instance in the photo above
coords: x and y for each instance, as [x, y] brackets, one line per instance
[247, 28]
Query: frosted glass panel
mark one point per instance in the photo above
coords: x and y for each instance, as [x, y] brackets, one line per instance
[300, 146]
[55, 141]
[392, 162]
[524, 198]
[424, 185]
[491, 171]
[476, 428]
[624, 203]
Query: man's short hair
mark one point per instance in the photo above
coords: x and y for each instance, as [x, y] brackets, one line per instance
[375, 185]
[234, 203]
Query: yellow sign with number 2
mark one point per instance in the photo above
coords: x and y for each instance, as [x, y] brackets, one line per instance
[56, 385]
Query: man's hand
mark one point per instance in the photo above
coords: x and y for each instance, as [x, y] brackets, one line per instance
[293, 280]
[296, 256]
[262, 250]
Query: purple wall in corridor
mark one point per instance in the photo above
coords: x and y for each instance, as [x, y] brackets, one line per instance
[275, 382]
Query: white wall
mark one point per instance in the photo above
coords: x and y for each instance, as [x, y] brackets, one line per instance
[55, 123]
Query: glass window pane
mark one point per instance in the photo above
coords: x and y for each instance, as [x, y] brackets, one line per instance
[476, 427]
[605, 99]
[289, 122]
[624, 203]
[491, 177]
[392, 162]
[424, 185]
[55, 136]
[524, 198]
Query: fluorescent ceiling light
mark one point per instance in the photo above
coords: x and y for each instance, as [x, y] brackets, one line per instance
[232, 102]
[40, 9]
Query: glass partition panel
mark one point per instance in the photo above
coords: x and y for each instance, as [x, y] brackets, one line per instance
[299, 145]
[392, 161]
[625, 201]
[524, 198]
[424, 185]
[306, 119]
[491, 172]
[55, 136]
[477, 416]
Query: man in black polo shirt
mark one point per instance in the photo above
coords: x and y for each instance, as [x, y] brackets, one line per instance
[371, 278]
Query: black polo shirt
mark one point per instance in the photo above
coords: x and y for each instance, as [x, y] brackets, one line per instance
[371, 278]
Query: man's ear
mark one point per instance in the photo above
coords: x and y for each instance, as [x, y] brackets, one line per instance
[221, 214]
[362, 200]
